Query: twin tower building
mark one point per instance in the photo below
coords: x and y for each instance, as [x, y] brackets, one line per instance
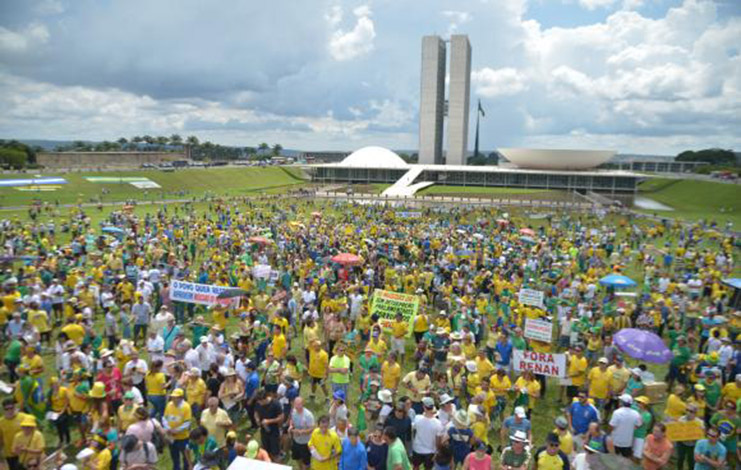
[432, 108]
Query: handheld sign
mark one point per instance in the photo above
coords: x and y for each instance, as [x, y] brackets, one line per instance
[202, 294]
[531, 297]
[387, 304]
[689, 431]
[538, 330]
[551, 365]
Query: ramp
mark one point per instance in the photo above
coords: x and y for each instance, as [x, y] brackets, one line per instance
[404, 186]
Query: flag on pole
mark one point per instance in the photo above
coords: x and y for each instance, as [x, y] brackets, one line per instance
[481, 110]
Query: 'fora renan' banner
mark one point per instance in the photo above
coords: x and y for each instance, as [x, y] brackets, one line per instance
[551, 365]
[203, 294]
[387, 304]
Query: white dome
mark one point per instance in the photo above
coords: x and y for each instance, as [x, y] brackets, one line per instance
[541, 159]
[374, 157]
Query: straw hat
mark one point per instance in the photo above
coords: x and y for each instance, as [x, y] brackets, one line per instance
[385, 396]
[460, 419]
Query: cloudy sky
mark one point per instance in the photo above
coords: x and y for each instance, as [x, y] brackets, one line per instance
[638, 76]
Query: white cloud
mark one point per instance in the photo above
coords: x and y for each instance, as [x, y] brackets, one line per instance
[594, 4]
[49, 7]
[456, 18]
[334, 15]
[24, 40]
[491, 83]
[359, 41]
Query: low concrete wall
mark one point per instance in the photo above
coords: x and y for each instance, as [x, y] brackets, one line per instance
[104, 159]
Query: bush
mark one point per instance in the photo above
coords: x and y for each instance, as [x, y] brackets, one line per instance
[13, 158]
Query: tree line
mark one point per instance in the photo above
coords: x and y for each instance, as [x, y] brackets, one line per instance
[192, 146]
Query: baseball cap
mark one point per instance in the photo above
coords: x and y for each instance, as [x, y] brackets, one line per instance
[428, 402]
[520, 412]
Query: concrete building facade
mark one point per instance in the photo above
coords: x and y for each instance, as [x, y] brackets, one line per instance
[432, 101]
[459, 94]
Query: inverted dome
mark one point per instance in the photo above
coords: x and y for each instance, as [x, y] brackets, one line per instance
[541, 159]
[374, 157]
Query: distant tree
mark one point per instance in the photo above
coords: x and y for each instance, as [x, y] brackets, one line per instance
[13, 157]
[149, 140]
[162, 140]
[712, 156]
[122, 141]
[263, 147]
[277, 149]
[175, 139]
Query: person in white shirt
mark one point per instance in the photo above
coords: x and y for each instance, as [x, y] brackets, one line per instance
[206, 354]
[447, 410]
[428, 431]
[623, 423]
[136, 369]
[160, 320]
[155, 346]
[191, 359]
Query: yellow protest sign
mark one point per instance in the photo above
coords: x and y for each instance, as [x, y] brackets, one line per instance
[387, 304]
[679, 431]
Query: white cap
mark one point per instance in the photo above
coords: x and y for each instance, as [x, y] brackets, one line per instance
[625, 398]
[520, 412]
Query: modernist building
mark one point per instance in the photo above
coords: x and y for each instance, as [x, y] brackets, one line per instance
[432, 100]
[537, 169]
[459, 94]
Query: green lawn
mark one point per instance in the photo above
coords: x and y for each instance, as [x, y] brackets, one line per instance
[185, 183]
[694, 200]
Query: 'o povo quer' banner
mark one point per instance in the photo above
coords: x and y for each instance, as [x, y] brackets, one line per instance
[387, 304]
[202, 294]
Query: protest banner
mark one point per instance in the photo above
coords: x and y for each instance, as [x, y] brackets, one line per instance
[202, 294]
[690, 431]
[408, 215]
[538, 330]
[387, 304]
[551, 365]
[531, 297]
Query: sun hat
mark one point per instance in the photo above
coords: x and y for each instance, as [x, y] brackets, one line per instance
[643, 400]
[385, 396]
[461, 419]
[445, 399]
[471, 366]
[252, 448]
[519, 436]
[28, 421]
[561, 422]
[603, 360]
[98, 390]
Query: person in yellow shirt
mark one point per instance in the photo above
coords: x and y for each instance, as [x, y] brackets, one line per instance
[10, 425]
[484, 365]
[577, 371]
[377, 344]
[176, 422]
[399, 329]
[732, 390]
[473, 379]
[318, 367]
[102, 458]
[528, 391]
[58, 399]
[501, 385]
[39, 319]
[599, 383]
[33, 362]
[325, 447]
[278, 343]
[156, 382]
[195, 392]
[390, 373]
[74, 330]
[28, 443]
[675, 405]
[420, 326]
[126, 412]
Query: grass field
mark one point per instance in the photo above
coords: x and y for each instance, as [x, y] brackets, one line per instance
[694, 200]
[180, 184]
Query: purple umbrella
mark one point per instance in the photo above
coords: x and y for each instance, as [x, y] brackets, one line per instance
[642, 345]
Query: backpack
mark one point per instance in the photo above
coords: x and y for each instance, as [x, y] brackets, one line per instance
[157, 439]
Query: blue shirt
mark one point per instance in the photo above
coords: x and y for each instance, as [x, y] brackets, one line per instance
[460, 443]
[505, 352]
[715, 452]
[253, 383]
[582, 416]
[354, 457]
[512, 425]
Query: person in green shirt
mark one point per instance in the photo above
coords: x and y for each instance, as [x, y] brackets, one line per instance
[13, 358]
[199, 444]
[641, 405]
[339, 370]
[199, 329]
[682, 355]
[712, 390]
[518, 341]
[396, 458]
[728, 422]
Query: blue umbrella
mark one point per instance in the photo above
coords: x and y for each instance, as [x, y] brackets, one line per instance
[464, 252]
[527, 239]
[617, 280]
[112, 230]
